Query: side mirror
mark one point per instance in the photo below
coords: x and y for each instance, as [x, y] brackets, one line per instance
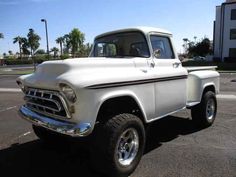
[157, 53]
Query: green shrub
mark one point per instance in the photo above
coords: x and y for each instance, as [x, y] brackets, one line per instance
[17, 62]
[65, 56]
[10, 57]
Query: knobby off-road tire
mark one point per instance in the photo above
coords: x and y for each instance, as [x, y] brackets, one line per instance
[204, 113]
[48, 137]
[118, 145]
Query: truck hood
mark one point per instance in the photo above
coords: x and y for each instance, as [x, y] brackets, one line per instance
[81, 72]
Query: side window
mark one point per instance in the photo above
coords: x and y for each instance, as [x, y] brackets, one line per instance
[232, 52]
[105, 49]
[163, 45]
[139, 49]
[232, 34]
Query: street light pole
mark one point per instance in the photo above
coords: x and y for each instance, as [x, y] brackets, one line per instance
[46, 28]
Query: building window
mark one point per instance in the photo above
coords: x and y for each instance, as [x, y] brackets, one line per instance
[233, 34]
[232, 52]
[233, 14]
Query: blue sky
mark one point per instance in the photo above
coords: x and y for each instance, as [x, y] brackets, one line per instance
[184, 18]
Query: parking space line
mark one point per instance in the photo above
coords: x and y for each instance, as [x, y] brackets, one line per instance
[7, 109]
[230, 97]
[25, 134]
[16, 90]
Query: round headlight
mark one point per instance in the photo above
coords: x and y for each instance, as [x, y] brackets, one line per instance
[68, 92]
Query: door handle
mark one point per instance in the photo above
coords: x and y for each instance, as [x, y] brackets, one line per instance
[152, 64]
[176, 65]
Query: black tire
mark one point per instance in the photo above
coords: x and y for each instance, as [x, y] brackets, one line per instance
[109, 137]
[48, 137]
[202, 114]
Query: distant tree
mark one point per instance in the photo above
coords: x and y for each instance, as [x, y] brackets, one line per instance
[40, 52]
[185, 45]
[60, 41]
[88, 48]
[33, 40]
[195, 39]
[201, 48]
[84, 50]
[10, 52]
[55, 51]
[1, 36]
[19, 40]
[4, 55]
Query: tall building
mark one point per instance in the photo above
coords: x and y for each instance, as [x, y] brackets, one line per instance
[225, 31]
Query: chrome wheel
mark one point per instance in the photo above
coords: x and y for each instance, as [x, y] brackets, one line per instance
[127, 147]
[210, 109]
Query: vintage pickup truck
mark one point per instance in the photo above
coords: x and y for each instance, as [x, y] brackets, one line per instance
[131, 78]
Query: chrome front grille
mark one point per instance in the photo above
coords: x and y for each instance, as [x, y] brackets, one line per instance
[46, 102]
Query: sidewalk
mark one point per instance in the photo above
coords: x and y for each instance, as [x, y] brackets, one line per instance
[17, 66]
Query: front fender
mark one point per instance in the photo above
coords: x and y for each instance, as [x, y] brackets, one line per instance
[122, 93]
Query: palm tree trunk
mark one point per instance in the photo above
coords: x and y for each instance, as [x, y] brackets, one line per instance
[20, 51]
[61, 48]
[31, 53]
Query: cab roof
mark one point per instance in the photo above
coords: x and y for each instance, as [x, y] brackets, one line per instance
[143, 29]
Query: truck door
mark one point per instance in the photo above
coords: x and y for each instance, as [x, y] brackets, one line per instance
[170, 77]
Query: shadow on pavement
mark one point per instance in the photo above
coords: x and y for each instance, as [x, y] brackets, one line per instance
[167, 129]
[34, 159]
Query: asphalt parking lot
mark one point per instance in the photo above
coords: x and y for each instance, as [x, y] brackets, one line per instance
[175, 148]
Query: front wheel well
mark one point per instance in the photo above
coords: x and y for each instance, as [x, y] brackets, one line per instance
[119, 105]
[209, 88]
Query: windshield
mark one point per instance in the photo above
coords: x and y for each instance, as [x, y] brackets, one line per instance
[126, 44]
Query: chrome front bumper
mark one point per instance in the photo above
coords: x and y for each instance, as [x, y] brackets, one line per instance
[59, 126]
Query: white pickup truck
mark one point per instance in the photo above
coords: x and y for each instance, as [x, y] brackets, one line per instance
[132, 77]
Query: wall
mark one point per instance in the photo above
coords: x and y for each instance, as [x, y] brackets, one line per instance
[229, 24]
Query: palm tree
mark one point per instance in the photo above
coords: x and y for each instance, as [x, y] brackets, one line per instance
[76, 40]
[33, 40]
[60, 41]
[40, 52]
[25, 46]
[84, 50]
[54, 50]
[67, 44]
[1, 36]
[19, 40]
[10, 52]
